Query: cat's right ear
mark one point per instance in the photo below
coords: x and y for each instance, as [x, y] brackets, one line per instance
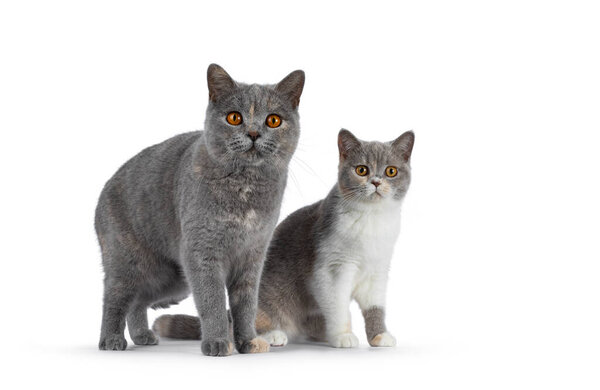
[220, 82]
[346, 142]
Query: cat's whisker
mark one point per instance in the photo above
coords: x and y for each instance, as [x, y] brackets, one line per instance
[304, 165]
[295, 181]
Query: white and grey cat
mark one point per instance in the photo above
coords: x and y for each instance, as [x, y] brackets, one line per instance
[324, 255]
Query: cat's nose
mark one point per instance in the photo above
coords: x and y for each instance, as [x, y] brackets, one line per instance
[253, 134]
[376, 182]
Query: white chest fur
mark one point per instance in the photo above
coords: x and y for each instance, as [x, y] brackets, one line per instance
[364, 236]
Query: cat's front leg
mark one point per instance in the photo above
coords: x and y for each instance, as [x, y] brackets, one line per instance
[243, 300]
[208, 290]
[370, 295]
[332, 288]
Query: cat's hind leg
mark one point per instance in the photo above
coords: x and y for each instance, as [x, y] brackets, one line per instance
[137, 322]
[117, 300]
[163, 286]
[123, 259]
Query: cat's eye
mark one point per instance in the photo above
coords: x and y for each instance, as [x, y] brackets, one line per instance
[362, 170]
[234, 118]
[391, 171]
[273, 121]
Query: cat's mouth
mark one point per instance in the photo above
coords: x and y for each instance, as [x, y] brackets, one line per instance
[256, 152]
[253, 154]
[375, 195]
[260, 149]
[252, 149]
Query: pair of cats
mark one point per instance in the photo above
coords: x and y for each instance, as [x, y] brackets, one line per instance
[197, 214]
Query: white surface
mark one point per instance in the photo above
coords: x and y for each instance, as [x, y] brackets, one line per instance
[494, 283]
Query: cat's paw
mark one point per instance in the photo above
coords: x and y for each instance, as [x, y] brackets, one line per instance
[146, 337]
[112, 342]
[256, 345]
[217, 347]
[383, 340]
[276, 338]
[344, 340]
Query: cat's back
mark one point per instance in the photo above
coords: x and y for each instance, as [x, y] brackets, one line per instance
[145, 180]
[292, 249]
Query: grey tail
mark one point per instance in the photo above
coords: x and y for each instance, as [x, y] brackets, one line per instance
[179, 326]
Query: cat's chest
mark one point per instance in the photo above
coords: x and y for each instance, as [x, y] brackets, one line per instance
[366, 236]
[251, 193]
[245, 205]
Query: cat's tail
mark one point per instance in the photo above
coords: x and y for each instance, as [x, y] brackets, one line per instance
[178, 326]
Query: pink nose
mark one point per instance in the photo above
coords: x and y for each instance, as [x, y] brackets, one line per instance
[253, 134]
[376, 182]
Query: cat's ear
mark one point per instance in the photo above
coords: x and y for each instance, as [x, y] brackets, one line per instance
[219, 82]
[291, 86]
[346, 142]
[403, 145]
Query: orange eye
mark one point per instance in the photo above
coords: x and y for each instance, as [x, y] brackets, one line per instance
[234, 118]
[273, 121]
[391, 171]
[361, 170]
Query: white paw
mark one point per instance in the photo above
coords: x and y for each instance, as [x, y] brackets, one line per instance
[275, 338]
[344, 340]
[383, 340]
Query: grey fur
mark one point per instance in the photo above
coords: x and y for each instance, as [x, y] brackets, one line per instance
[195, 213]
[286, 300]
[374, 321]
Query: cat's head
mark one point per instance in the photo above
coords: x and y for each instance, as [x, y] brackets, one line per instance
[252, 124]
[374, 171]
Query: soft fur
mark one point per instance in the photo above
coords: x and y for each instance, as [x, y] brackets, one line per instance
[195, 214]
[324, 255]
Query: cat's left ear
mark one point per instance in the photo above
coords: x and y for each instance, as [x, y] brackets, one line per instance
[403, 145]
[291, 86]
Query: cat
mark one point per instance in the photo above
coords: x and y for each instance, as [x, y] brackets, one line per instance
[337, 249]
[196, 212]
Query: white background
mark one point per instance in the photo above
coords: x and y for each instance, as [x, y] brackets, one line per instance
[495, 278]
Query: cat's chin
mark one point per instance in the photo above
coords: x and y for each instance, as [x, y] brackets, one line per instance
[256, 156]
[252, 157]
[375, 199]
[376, 196]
